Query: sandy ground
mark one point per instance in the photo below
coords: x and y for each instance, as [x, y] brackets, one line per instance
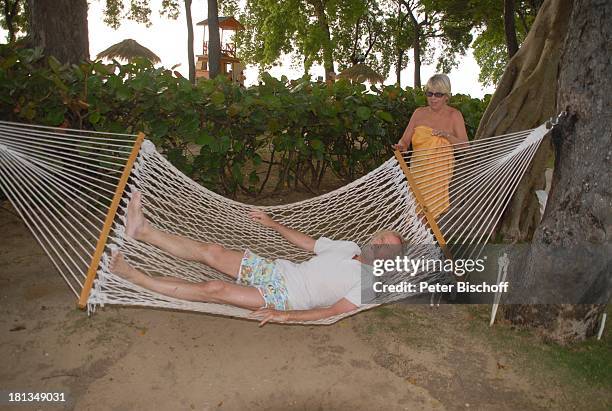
[396, 357]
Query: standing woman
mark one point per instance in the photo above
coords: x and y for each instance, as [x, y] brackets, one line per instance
[432, 132]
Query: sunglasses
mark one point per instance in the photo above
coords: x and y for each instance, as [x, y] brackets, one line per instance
[437, 94]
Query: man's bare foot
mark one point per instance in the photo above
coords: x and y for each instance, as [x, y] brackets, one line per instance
[136, 225]
[120, 267]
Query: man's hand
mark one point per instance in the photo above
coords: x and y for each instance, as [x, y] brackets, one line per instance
[270, 314]
[301, 240]
[262, 218]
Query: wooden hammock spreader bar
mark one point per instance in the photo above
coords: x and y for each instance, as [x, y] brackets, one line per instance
[110, 217]
[421, 201]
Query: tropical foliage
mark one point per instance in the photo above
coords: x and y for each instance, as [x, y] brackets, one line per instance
[276, 135]
[341, 33]
[490, 45]
[14, 18]
[338, 33]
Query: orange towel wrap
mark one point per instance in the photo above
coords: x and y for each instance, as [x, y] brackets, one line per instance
[431, 166]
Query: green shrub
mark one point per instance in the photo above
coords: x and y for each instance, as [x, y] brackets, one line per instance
[227, 137]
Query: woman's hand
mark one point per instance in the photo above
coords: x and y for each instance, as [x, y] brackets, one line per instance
[399, 146]
[270, 314]
[441, 133]
[262, 218]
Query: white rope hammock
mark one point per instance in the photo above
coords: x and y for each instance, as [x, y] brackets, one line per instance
[66, 184]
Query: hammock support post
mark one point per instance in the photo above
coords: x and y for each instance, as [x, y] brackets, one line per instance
[110, 216]
[421, 201]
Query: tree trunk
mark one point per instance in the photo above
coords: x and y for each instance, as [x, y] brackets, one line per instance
[398, 67]
[60, 28]
[190, 53]
[525, 98]
[400, 50]
[510, 29]
[10, 12]
[417, 57]
[214, 41]
[578, 213]
[328, 55]
[416, 44]
[356, 37]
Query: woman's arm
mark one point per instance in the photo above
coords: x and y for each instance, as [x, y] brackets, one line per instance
[404, 142]
[272, 315]
[459, 128]
[301, 240]
[458, 134]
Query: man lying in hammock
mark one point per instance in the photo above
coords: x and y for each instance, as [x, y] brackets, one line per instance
[328, 284]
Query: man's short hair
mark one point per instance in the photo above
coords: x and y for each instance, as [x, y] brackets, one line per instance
[381, 233]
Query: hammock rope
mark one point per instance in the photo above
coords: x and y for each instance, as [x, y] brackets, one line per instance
[67, 186]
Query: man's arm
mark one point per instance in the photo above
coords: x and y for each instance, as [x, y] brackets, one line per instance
[270, 314]
[295, 237]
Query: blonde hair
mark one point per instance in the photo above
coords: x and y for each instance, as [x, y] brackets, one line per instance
[439, 82]
[381, 233]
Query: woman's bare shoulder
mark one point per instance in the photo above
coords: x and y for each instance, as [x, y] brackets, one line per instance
[419, 112]
[455, 113]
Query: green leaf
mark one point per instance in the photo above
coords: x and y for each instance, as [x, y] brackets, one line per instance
[385, 116]
[217, 98]
[317, 145]
[205, 139]
[55, 116]
[239, 146]
[59, 83]
[363, 113]
[94, 117]
[256, 160]
[189, 127]
[9, 62]
[233, 110]
[253, 177]
[237, 171]
[177, 157]
[123, 93]
[54, 64]
[159, 128]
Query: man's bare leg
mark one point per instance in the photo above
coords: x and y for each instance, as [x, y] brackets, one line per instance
[213, 291]
[213, 255]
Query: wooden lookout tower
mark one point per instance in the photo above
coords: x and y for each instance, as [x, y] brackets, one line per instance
[230, 65]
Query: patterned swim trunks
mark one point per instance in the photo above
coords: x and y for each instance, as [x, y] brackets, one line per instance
[261, 273]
